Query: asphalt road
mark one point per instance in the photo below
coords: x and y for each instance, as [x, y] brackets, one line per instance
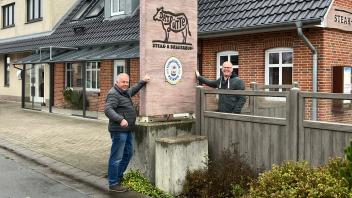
[23, 178]
[17, 180]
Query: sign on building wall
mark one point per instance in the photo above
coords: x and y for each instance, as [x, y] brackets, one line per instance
[168, 53]
[340, 18]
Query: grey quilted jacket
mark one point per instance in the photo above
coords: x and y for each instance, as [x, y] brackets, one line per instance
[119, 106]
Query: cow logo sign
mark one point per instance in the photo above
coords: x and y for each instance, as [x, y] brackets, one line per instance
[174, 23]
[173, 70]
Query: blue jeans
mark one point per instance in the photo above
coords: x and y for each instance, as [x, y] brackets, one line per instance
[120, 155]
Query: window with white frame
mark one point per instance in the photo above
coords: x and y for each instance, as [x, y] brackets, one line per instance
[119, 67]
[278, 67]
[118, 7]
[93, 76]
[8, 13]
[222, 57]
[34, 10]
[68, 75]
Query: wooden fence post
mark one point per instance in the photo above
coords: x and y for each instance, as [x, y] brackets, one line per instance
[295, 85]
[252, 99]
[198, 110]
[301, 116]
[292, 123]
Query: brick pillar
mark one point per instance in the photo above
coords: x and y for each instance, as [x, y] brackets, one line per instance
[59, 83]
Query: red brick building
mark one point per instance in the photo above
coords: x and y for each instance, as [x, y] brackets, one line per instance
[254, 52]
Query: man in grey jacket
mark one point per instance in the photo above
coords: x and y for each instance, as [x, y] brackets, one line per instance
[227, 103]
[122, 116]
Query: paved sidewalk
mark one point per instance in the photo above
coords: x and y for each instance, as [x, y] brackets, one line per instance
[72, 146]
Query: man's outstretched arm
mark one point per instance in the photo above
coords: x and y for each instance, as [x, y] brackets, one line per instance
[211, 83]
[135, 88]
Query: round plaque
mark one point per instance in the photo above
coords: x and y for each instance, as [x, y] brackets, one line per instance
[173, 70]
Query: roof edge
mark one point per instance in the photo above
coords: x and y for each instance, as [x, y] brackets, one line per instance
[258, 29]
[127, 42]
[25, 37]
[325, 19]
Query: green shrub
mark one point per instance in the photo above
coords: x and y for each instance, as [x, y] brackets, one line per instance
[298, 179]
[75, 98]
[346, 171]
[67, 94]
[136, 182]
[228, 176]
[334, 166]
[196, 184]
[237, 190]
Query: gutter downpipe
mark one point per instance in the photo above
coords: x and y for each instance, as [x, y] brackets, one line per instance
[315, 67]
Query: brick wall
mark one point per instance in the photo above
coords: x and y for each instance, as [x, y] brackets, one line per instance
[336, 51]
[59, 83]
[134, 78]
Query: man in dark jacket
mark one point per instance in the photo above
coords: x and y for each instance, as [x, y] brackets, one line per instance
[122, 116]
[227, 103]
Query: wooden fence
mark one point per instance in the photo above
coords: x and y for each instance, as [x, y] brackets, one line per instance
[269, 139]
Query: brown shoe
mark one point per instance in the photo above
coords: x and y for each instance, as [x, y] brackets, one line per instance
[118, 188]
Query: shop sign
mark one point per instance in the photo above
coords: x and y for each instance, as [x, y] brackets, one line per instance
[175, 23]
[340, 18]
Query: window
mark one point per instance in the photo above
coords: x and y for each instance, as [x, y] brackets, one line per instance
[119, 67]
[96, 10]
[222, 57]
[342, 83]
[8, 13]
[347, 80]
[34, 10]
[278, 67]
[81, 11]
[73, 75]
[7, 62]
[89, 9]
[93, 76]
[68, 75]
[118, 7]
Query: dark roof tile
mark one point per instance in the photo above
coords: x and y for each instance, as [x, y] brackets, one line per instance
[251, 13]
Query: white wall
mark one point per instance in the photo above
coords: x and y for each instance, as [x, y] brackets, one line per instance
[53, 11]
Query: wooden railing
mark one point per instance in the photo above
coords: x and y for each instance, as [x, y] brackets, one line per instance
[268, 139]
